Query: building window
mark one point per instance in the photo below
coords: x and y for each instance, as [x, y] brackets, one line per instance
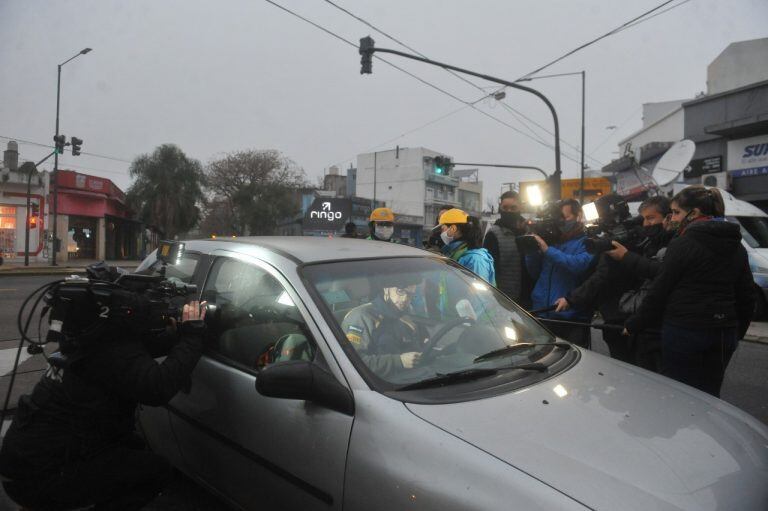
[7, 230]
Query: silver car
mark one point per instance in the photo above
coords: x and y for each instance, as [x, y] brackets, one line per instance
[353, 374]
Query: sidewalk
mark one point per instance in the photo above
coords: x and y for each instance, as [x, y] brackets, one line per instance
[63, 268]
[757, 332]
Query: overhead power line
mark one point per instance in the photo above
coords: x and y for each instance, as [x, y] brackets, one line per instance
[468, 104]
[624, 26]
[40, 144]
[515, 113]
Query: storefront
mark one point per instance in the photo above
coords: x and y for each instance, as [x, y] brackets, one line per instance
[13, 215]
[97, 223]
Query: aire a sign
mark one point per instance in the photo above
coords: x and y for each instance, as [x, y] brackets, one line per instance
[748, 156]
[327, 214]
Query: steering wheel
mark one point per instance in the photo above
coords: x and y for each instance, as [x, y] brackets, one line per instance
[429, 352]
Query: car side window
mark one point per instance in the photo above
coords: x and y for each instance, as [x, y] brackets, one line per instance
[255, 322]
[184, 270]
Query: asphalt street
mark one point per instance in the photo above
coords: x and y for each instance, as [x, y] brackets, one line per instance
[745, 385]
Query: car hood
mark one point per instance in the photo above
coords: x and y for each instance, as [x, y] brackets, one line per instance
[613, 436]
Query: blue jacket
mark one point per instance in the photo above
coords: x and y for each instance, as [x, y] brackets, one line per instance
[560, 269]
[477, 260]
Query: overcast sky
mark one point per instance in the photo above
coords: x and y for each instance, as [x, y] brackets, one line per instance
[214, 77]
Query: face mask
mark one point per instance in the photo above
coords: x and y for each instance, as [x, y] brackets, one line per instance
[384, 232]
[651, 231]
[510, 219]
[568, 225]
[446, 239]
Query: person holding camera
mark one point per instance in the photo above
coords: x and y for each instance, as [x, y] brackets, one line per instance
[73, 443]
[703, 295]
[617, 281]
[501, 242]
[558, 269]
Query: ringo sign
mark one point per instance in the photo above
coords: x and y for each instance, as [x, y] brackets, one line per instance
[326, 214]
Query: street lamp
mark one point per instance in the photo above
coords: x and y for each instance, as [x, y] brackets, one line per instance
[583, 79]
[56, 157]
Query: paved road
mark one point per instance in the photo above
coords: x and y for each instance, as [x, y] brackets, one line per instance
[745, 385]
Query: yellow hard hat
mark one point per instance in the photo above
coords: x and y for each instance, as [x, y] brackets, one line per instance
[453, 216]
[382, 215]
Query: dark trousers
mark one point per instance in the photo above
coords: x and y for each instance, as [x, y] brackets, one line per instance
[117, 479]
[696, 356]
[620, 346]
[578, 335]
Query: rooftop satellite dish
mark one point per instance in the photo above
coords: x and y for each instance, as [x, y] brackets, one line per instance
[674, 161]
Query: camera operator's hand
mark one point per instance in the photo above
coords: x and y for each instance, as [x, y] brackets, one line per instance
[542, 244]
[618, 252]
[561, 304]
[193, 311]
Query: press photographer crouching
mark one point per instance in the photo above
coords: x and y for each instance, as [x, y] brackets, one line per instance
[560, 264]
[73, 442]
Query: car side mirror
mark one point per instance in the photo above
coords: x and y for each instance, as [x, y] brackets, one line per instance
[300, 379]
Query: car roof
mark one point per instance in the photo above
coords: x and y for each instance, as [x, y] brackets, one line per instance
[308, 249]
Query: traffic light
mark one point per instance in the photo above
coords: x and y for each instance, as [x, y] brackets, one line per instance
[76, 143]
[60, 141]
[33, 222]
[35, 210]
[442, 165]
[366, 50]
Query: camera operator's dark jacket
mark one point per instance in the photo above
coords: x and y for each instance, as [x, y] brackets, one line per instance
[704, 282]
[91, 405]
[603, 289]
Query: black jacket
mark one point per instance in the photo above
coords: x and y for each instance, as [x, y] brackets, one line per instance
[704, 282]
[602, 290]
[89, 406]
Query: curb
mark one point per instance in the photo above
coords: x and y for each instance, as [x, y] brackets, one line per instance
[755, 339]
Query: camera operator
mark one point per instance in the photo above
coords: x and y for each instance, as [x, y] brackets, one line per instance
[617, 279]
[72, 443]
[559, 269]
[644, 265]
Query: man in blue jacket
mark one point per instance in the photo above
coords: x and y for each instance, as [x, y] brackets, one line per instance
[560, 268]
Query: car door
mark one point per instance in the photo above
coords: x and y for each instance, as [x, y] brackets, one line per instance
[258, 452]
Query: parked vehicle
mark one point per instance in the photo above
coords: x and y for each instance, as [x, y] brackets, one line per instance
[289, 409]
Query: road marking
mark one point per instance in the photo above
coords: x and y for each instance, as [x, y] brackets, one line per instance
[7, 358]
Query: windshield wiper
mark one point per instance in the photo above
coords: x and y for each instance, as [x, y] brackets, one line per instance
[468, 375]
[513, 348]
[448, 378]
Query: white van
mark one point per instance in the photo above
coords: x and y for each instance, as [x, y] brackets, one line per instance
[754, 233]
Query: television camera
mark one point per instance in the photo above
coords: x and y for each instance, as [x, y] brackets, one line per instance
[546, 224]
[608, 220]
[83, 310]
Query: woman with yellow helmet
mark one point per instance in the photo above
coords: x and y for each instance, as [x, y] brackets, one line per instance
[382, 225]
[463, 240]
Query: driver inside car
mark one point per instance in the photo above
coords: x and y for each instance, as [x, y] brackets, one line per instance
[382, 332]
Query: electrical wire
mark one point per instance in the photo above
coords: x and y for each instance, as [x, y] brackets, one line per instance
[631, 23]
[468, 104]
[515, 113]
[39, 144]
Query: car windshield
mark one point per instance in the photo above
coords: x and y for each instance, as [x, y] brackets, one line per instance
[754, 230]
[412, 319]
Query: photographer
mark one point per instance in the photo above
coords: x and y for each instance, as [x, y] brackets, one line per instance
[703, 295]
[72, 443]
[616, 282]
[559, 269]
[644, 265]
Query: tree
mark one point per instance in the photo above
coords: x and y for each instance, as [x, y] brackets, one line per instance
[167, 190]
[251, 192]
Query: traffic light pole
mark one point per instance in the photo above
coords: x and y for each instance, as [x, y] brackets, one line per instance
[367, 50]
[56, 172]
[31, 169]
[522, 167]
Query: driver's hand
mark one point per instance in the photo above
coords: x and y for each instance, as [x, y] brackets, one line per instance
[193, 311]
[561, 304]
[410, 359]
